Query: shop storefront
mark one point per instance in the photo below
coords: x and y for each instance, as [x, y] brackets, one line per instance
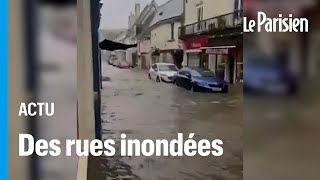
[192, 57]
[307, 47]
[193, 52]
[155, 56]
[239, 65]
[225, 61]
[225, 57]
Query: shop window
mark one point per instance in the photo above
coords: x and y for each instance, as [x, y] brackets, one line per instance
[212, 62]
[193, 60]
[204, 61]
[221, 65]
[172, 31]
[239, 68]
[200, 18]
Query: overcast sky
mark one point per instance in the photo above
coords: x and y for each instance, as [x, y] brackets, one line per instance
[115, 13]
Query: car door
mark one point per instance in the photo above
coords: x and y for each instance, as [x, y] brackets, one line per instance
[151, 71]
[183, 78]
[179, 77]
[187, 80]
[154, 72]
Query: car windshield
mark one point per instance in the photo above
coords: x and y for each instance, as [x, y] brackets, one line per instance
[168, 68]
[202, 73]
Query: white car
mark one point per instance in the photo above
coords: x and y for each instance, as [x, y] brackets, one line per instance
[163, 72]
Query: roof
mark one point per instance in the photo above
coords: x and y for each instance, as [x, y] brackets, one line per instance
[169, 10]
[146, 12]
[110, 34]
[145, 19]
[121, 36]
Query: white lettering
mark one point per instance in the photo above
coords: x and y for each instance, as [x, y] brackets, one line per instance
[162, 147]
[40, 108]
[262, 18]
[133, 146]
[26, 149]
[204, 147]
[69, 144]
[36, 109]
[42, 147]
[147, 147]
[56, 151]
[251, 24]
[30, 112]
[96, 148]
[268, 26]
[109, 146]
[82, 148]
[190, 146]
[176, 146]
[304, 25]
[218, 149]
[280, 24]
[23, 109]
[123, 145]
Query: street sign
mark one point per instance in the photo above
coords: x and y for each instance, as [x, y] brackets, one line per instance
[218, 51]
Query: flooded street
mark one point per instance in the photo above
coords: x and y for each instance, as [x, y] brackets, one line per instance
[145, 109]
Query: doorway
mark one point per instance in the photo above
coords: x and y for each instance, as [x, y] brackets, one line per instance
[204, 61]
[134, 59]
[143, 62]
[231, 63]
[178, 58]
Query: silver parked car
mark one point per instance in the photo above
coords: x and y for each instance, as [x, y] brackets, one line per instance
[163, 72]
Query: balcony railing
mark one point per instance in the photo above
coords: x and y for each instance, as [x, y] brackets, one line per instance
[230, 20]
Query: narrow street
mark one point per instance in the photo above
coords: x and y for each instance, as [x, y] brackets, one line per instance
[145, 109]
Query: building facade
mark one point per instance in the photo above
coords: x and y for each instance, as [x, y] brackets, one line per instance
[304, 47]
[143, 35]
[297, 51]
[129, 37]
[212, 37]
[144, 53]
[164, 37]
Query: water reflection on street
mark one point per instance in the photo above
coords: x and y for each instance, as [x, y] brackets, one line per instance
[144, 109]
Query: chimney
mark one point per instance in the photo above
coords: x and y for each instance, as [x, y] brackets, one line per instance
[137, 9]
[131, 20]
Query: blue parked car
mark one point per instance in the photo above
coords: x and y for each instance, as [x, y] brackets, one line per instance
[264, 76]
[199, 80]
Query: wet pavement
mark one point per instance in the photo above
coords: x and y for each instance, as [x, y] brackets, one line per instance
[145, 109]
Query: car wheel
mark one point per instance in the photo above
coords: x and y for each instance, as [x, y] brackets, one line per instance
[225, 89]
[149, 76]
[158, 79]
[175, 82]
[194, 88]
[292, 89]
